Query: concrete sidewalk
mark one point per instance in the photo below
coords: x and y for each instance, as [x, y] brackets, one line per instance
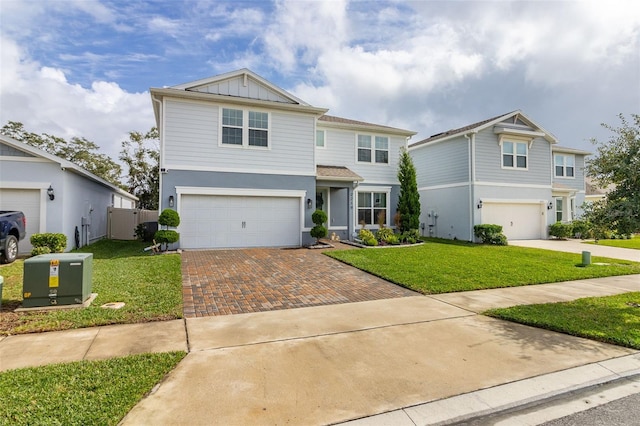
[578, 246]
[404, 359]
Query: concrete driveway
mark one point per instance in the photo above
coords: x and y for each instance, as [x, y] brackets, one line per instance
[223, 282]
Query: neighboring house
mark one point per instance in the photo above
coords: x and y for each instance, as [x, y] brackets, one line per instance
[246, 163]
[55, 194]
[594, 193]
[506, 170]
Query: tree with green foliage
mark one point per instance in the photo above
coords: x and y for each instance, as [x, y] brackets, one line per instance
[141, 155]
[79, 151]
[318, 231]
[166, 236]
[617, 165]
[409, 200]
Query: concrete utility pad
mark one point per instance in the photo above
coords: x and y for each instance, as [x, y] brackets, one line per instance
[338, 377]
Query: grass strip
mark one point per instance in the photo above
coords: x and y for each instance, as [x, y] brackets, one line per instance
[81, 393]
[632, 243]
[150, 286]
[443, 266]
[610, 319]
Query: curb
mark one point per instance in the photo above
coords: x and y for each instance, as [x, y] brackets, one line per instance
[505, 397]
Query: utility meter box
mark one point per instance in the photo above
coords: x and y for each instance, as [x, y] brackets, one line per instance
[57, 279]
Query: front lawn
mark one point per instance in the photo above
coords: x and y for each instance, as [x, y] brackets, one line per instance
[150, 286]
[611, 319]
[443, 266]
[81, 393]
[633, 243]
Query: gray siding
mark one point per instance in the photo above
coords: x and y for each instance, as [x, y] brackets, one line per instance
[451, 205]
[340, 150]
[489, 162]
[442, 163]
[576, 182]
[191, 142]
[9, 151]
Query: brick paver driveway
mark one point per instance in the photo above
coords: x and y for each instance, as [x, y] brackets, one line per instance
[222, 282]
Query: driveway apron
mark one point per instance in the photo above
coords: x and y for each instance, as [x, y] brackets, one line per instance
[223, 282]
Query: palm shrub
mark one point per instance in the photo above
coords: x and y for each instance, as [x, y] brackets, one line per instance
[318, 231]
[167, 236]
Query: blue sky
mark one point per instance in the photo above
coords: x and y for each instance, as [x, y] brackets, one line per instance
[84, 67]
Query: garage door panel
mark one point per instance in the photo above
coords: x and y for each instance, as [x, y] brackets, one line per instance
[519, 221]
[214, 221]
[28, 202]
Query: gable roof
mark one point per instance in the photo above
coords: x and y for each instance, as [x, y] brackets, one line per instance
[337, 173]
[242, 86]
[517, 115]
[64, 164]
[346, 123]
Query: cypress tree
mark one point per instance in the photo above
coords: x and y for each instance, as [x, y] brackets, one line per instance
[409, 200]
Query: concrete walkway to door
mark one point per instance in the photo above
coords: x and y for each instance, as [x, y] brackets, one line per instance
[223, 282]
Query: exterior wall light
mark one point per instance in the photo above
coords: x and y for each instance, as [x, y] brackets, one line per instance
[550, 205]
[50, 193]
[309, 203]
[480, 204]
[171, 200]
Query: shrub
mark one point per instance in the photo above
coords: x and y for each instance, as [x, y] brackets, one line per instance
[56, 243]
[140, 231]
[392, 239]
[169, 217]
[581, 229]
[365, 234]
[384, 233]
[560, 230]
[166, 237]
[370, 241]
[490, 234]
[319, 231]
[411, 236]
[40, 250]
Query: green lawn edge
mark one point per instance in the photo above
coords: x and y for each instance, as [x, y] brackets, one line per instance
[607, 319]
[80, 393]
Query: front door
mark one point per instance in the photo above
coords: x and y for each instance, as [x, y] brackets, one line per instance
[322, 202]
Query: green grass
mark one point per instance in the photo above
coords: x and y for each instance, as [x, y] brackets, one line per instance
[81, 393]
[442, 266]
[611, 319]
[150, 287]
[633, 243]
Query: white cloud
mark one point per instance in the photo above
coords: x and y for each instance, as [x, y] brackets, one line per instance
[44, 101]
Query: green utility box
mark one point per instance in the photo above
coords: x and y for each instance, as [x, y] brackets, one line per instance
[57, 279]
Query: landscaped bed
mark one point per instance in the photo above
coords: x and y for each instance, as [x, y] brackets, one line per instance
[149, 285]
[442, 266]
[610, 319]
[81, 393]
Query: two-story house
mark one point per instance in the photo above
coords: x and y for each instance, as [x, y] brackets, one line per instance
[506, 170]
[245, 164]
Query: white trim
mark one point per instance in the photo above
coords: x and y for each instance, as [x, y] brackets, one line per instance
[370, 188]
[373, 150]
[513, 185]
[42, 186]
[324, 139]
[338, 228]
[24, 159]
[515, 141]
[245, 128]
[511, 201]
[449, 185]
[564, 156]
[187, 168]
[518, 132]
[240, 192]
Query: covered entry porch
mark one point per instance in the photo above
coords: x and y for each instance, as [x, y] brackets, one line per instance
[335, 187]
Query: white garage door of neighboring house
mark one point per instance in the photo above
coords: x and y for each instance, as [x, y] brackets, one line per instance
[223, 221]
[28, 202]
[520, 221]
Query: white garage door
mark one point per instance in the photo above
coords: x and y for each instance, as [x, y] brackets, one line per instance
[28, 202]
[519, 221]
[221, 221]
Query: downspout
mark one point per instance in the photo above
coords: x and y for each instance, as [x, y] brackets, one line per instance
[472, 179]
[160, 157]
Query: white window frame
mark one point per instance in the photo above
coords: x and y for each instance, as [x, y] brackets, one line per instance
[371, 191]
[324, 138]
[559, 208]
[245, 128]
[565, 165]
[515, 154]
[373, 149]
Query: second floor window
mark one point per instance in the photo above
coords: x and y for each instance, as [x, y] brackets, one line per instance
[245, 128]
[565, 165]
[320, 138]
[514, 155]
[373, 149]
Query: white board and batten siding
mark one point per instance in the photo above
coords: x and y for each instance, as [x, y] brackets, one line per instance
[191, 142]
[224, 218]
